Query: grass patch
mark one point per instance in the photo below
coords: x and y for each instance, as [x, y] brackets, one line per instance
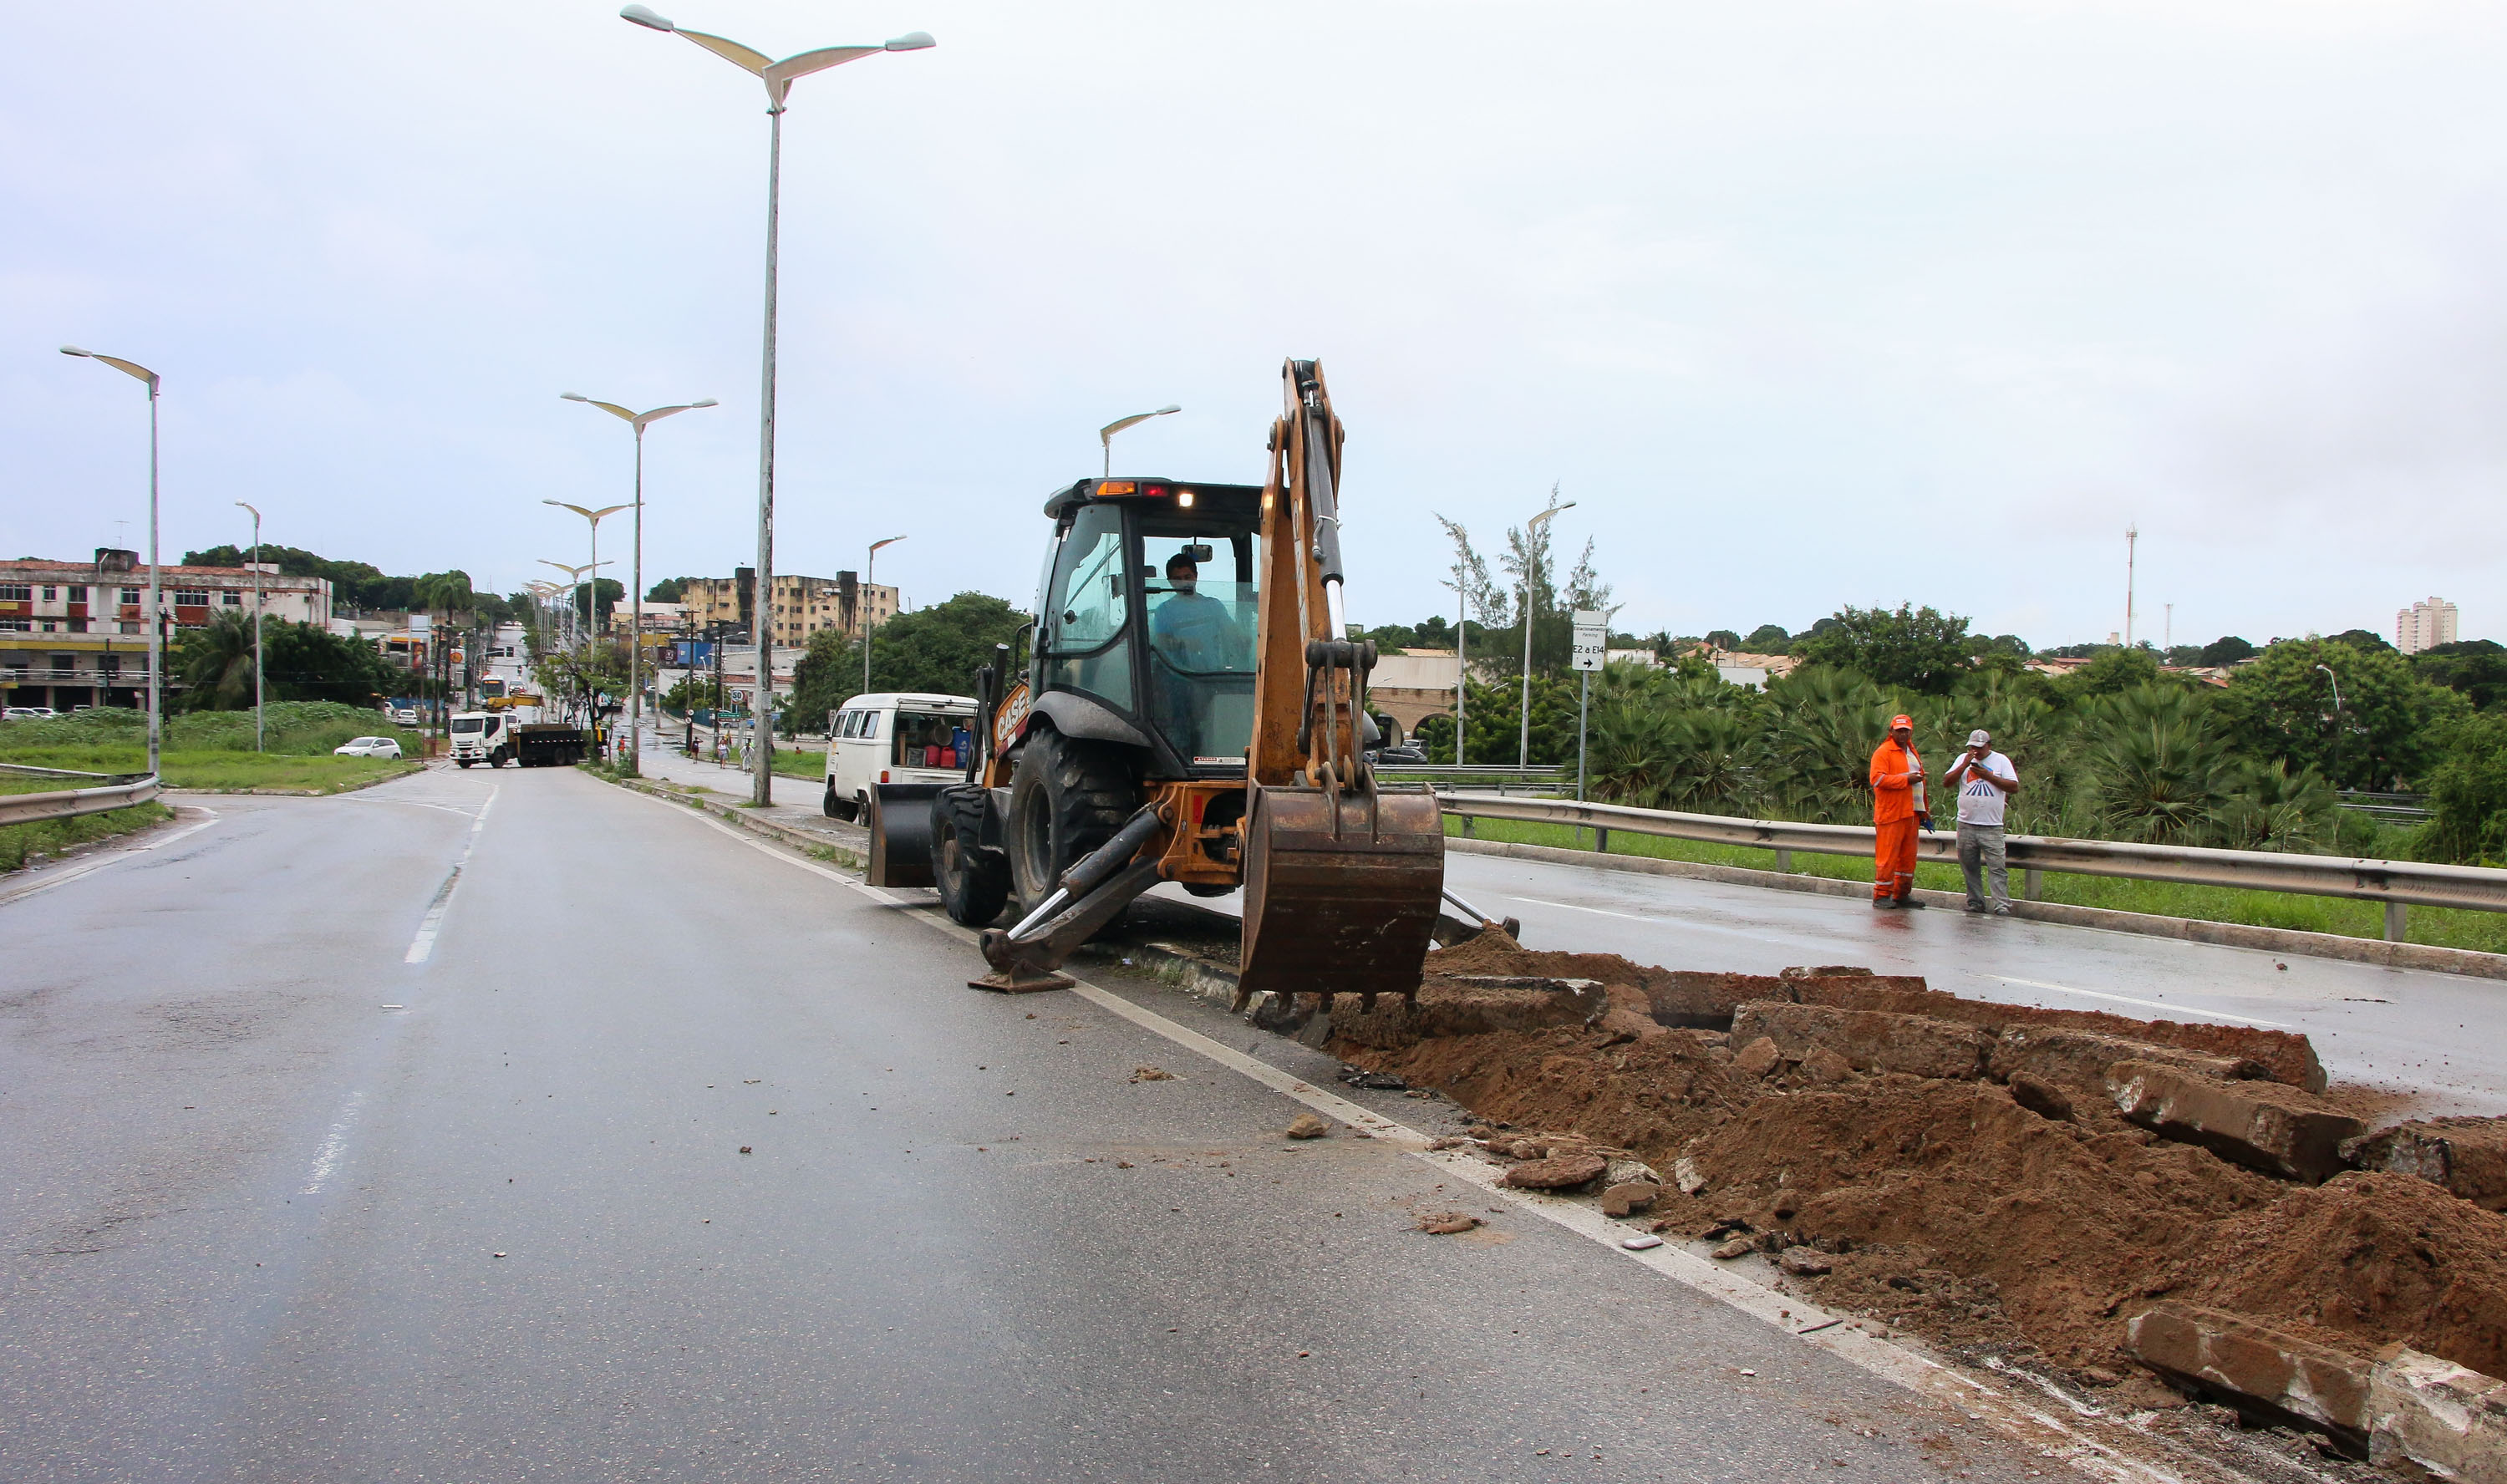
[2437, 926]
[45, 837]
[214, 749]
[800, 765]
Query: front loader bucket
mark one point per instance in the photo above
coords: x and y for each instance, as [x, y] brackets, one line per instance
[1341, 891]
[901, 834]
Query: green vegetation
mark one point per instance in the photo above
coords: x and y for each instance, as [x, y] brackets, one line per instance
[299, 662]
[21, 842]
[935, 649]
[213, 749]
[791, 762]
[2483, 931]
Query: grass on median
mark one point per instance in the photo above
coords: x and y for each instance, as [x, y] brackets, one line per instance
[2437, 926]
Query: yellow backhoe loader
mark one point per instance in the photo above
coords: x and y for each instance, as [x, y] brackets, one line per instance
[1189, 709]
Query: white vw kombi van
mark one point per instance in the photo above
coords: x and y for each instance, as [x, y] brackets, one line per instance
[894, 738]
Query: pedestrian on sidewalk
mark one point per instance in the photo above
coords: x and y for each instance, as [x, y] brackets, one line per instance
[1897, 812]
[1985, 780]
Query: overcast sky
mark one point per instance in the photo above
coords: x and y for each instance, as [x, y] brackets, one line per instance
[1803, 304]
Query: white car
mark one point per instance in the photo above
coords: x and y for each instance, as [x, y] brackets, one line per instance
[368, 746]
[31, 713]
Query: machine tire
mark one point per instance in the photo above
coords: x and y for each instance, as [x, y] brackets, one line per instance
[974, 883]
[835, 808]
[1067, 798]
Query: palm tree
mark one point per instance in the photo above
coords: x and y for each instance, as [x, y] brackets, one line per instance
[217, 663]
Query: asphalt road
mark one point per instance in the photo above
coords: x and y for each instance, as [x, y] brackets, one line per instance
[281, 1203]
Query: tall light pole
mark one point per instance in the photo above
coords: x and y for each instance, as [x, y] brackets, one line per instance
[2131, 536]
[1530, 532]
[1106, 434]
[592, 600]
[156, 629]
[256, 627]
[779, 78]
[1461, 650]
[591, 595]
[2337, 722]
[862, 609]
[635, 580]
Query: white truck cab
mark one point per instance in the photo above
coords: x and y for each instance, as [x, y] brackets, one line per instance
[894, 738]
[482, 736]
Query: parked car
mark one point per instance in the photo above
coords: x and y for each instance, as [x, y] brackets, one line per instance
[22, 713]
[367, 746]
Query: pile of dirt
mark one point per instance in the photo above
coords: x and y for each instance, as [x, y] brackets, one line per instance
[1949, 1208]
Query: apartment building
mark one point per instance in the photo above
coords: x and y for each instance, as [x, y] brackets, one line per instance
[803, 606]
[72, 633]
[2424, 625]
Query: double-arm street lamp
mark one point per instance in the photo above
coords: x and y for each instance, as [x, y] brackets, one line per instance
[779, 77]
[1531, 541]
[591, 595]
[592, 601]
[636, 652]
[1106, 434]
[256, 627]
[156, 629]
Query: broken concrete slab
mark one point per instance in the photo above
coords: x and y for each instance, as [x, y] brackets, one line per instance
[2268, 1374]
[1562, 1172]
[1759, 1057]
[2080, 1059]
[1803, 1261]
[1869, 1040]
[1630, 1199]
[1467, 1004]
[1691, 1000]
[2447, 1420]
[2467, 1156]
[1826, 1067]
[2265, 1126]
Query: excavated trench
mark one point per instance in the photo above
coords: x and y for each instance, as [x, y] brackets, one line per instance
[1963, 1169]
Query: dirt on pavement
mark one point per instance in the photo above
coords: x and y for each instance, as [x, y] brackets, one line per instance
[1945, 1206]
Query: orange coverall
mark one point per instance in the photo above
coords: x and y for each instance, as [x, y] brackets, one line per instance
[1893, 818]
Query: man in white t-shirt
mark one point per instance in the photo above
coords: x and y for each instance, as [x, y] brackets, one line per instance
[1985, 779]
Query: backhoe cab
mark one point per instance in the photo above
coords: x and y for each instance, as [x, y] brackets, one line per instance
[1189, 710]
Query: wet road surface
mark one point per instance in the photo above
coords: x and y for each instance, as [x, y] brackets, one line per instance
[399, 1136]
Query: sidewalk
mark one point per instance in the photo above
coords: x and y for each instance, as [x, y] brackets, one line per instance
[796, 805]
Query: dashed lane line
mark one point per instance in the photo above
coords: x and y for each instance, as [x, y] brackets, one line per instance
[2015, 1416]
[424, 945]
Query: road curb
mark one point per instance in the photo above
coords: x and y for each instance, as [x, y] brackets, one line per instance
[2278, 940]
[802, 839]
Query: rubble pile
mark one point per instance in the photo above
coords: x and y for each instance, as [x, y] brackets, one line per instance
[1992, 1177]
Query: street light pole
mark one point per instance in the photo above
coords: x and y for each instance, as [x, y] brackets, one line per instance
[779, 77]
[862, 608]
[1106, 434]
[635, 645]
[1531, 532]
[256, 628]
[2337, 722]
[155, 628]
[578, 580]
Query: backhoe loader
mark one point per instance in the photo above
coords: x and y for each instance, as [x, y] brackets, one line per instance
[1190, 709]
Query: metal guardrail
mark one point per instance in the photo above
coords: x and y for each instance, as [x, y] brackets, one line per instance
[116, 790]
[2397, 884]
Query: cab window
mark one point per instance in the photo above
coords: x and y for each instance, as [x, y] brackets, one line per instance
[1087, 605]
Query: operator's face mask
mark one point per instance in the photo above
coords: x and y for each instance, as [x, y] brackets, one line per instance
[1182, 582]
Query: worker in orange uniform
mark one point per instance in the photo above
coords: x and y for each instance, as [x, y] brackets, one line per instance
[1897, 812]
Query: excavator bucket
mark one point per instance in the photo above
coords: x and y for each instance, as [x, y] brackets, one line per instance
[1341, 891]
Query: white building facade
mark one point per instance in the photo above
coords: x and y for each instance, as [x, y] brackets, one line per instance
[2424, 625]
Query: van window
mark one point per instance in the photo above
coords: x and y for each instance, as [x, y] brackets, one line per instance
[927, 739]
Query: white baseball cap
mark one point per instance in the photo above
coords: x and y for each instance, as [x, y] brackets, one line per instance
[1980, 737]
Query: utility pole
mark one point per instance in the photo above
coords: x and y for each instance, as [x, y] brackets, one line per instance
[2131, 540]
[1462, 654]
[2167, 631]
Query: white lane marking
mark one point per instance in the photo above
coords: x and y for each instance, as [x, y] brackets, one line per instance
[2012, 1415]
[424, 945]
[2127, 999]
[1683, 923]
[114, 859]
[334, 1144]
